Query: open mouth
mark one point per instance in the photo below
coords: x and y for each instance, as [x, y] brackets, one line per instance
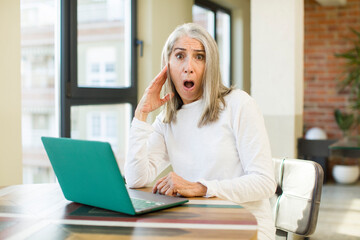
[188, 84]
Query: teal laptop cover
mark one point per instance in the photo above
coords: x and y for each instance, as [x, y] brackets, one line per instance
[82, 176]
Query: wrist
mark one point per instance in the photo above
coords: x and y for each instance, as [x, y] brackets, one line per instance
[141, 116]
[201, 189]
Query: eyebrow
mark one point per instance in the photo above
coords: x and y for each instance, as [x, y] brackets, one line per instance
[184, 49]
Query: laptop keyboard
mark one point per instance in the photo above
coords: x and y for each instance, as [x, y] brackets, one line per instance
[140, 204]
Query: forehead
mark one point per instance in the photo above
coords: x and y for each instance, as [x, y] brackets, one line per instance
[188, 43]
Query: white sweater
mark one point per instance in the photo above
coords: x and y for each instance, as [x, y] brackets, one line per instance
[231, 156]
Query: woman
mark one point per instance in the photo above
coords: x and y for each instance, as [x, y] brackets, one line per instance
[214, 137]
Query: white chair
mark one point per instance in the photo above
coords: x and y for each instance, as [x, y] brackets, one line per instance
[297, 199]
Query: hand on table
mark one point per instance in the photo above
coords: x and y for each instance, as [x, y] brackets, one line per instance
[173, 184]
[151, 100]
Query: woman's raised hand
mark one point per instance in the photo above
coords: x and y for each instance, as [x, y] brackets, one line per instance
[151, 100]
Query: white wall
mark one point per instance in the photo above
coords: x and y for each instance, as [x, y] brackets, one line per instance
[277, 69]
[10, 94]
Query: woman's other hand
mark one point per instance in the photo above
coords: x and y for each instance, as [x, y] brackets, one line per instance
[151, 100]
[173, 184]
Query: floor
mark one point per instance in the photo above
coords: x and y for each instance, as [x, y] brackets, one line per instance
[339, 216]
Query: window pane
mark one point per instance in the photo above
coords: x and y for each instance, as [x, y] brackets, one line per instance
[103, 43]
[223, 41]
[204, 17]
[109, 123]
[38, 87]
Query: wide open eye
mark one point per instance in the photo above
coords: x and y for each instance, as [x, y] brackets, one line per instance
[179, 56]
[200, 57]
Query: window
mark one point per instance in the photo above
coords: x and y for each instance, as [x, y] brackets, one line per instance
[110, 67]
[96, 79]
[217, 20]
[39, 91]
[205, 18]
[98, 71]
[40, 121]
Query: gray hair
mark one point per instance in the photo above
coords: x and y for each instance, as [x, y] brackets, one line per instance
[213, 88]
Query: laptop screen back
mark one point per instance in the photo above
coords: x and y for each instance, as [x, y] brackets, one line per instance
[88, 173]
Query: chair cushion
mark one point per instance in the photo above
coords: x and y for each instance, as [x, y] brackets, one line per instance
[296, 207]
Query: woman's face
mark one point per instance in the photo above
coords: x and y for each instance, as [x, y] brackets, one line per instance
[187, 66]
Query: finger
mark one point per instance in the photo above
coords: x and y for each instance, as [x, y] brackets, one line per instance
[155, 187]
[170, 192]
[161, 185]
[161, 188]
[168, 189]
[154, 190]
[165, 185]
[160, 79]
[164, 189]
[182, 192]
[163, 74]
[167, 98]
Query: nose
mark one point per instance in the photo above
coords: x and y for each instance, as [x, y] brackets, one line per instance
[189, 66]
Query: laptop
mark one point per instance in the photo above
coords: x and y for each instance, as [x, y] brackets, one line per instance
[88, 173]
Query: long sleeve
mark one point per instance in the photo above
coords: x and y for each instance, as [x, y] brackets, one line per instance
[231, 156]
[147, 155]
[257, 182]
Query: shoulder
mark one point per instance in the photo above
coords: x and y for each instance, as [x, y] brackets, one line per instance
[241, 104]
[238, 98]
[242, 108]
[160, 125]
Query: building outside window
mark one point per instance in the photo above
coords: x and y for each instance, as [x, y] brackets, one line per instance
[38, 87]
[100, 68]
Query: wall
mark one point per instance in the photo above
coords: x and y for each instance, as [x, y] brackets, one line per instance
[325, 31]
[277, 70]
[10, 94]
